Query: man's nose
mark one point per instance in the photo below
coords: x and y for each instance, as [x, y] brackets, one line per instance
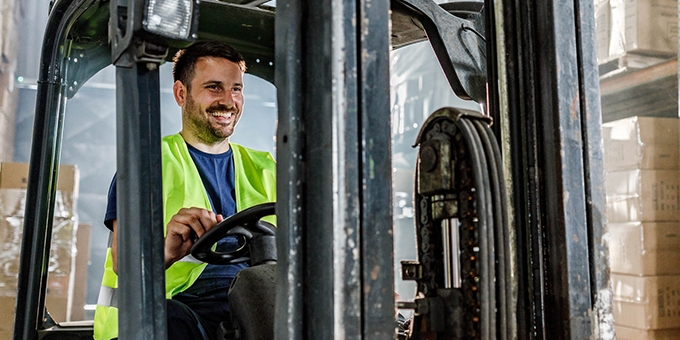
[227, 100]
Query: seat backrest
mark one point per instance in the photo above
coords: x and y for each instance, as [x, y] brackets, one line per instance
[252, 297]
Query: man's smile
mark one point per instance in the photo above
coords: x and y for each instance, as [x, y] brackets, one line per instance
[222, 115]
[222, 112]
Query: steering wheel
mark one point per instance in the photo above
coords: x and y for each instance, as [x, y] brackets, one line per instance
[246, 224]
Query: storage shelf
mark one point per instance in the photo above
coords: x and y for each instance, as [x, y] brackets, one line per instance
[651, 91]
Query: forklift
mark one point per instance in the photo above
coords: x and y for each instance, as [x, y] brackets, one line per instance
[509, 201]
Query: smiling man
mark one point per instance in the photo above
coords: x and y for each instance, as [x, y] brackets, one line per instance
[205, 179]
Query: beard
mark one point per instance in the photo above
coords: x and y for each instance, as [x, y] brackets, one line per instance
[198, 122]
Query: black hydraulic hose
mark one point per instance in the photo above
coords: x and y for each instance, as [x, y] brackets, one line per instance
[481, 184]
[505, 226]
[491, 227]
[44, 163]
[499, 226]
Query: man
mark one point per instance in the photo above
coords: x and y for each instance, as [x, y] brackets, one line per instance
[205, 178]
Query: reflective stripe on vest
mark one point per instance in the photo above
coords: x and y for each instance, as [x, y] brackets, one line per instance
[107, 297]
[255, 182]
[189, 258]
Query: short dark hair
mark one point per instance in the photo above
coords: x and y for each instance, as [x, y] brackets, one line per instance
[185, 59]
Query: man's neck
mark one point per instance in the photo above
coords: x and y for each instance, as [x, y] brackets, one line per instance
[212, 148]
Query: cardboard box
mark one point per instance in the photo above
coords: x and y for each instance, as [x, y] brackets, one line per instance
[627, 333]
[643, 26]
[624, 155]
[12, 203]
[602, 29]
[8, 304]
[55, 301]
[77, 306]
[64, 301]
[15, 176]
[11, 13]
[643, 195]
[641, 143]
[57, 296]
[645, 248]
[645, 130]
[646, 302]
[7, 133]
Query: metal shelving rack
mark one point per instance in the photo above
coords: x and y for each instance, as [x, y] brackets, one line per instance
[652, 91]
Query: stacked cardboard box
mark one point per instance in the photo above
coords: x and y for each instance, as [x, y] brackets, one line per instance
[77, 311]
[11, 13]
[636, 28]
[643, 208]
[62, 259]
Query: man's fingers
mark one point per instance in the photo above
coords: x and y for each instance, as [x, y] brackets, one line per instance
[182, 224]
[176, 245]
[179, 229]
[199, 220]
[183, 229]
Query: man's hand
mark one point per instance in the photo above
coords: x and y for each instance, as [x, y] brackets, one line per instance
[181, 229]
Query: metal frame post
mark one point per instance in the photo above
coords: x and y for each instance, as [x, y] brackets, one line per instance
[555, 148]
[335, 240]
[375, 145]
[589, 91]
[141, 268]
[43, 171]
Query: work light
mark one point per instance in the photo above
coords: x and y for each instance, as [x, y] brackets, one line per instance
[175, 19]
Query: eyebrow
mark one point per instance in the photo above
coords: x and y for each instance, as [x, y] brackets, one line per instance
[217, 82]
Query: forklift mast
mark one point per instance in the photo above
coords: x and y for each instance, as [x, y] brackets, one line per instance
[510, 201]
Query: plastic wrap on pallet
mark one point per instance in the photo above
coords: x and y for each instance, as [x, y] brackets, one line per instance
[646, 302]
[643, 26]
[62, 252]
[643, 195]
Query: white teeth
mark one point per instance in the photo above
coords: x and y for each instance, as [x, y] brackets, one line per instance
[222, 114]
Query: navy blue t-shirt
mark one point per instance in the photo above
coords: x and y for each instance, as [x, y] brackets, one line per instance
[217, 174]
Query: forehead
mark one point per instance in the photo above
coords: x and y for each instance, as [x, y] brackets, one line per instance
[217, 69]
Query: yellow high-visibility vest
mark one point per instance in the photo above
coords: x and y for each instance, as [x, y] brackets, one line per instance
[255, 183]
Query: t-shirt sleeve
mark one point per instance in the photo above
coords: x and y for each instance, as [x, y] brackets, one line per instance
[111, 212]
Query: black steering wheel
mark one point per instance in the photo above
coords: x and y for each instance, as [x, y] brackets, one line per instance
[246, 224]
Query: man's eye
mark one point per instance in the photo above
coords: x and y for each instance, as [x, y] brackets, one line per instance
[237, 89]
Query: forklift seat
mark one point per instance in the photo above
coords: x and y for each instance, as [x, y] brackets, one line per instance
[252, 297]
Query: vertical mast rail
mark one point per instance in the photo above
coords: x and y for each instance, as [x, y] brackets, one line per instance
[141, 266]
[334, 177]
[554, 118]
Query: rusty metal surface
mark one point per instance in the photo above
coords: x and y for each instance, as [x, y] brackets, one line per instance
[335, 171]
[591, 121]
[554, 120]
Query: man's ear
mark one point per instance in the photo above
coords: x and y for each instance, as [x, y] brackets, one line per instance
[180, 93]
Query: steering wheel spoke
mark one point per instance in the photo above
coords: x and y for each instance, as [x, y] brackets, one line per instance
[246, 224]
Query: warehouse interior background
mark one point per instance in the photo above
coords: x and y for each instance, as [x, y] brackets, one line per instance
[637, 55]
